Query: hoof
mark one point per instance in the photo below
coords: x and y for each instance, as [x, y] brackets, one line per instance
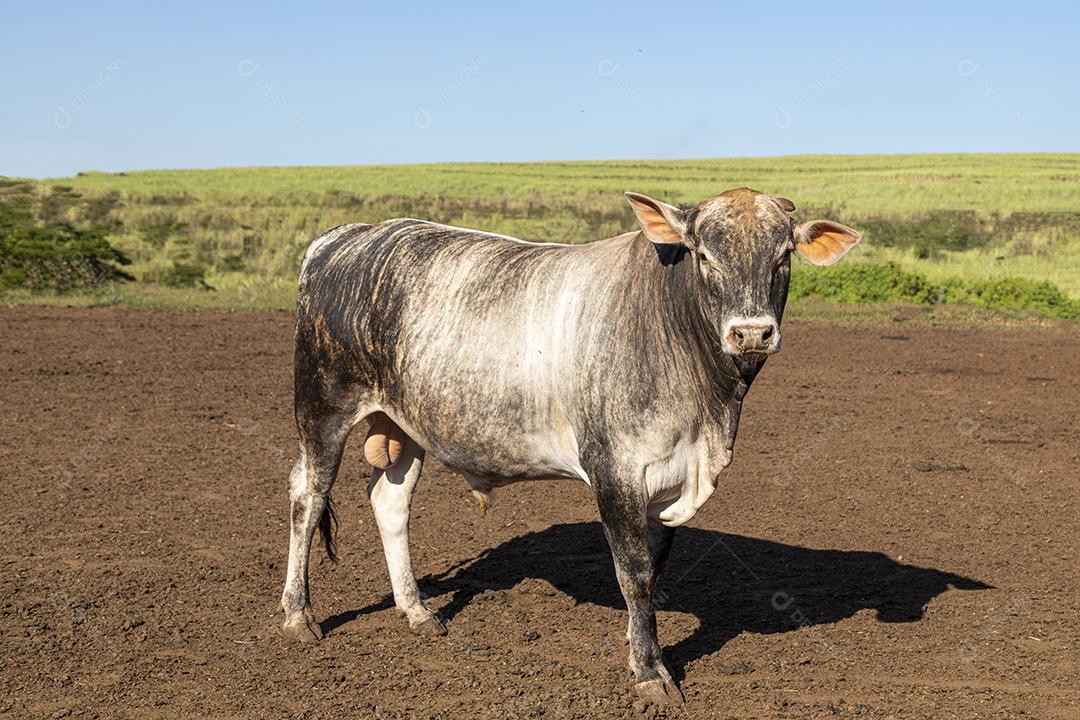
[302, 627]
[432, 627]
[659, 692]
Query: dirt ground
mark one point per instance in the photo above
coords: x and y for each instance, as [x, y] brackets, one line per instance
[897, 537]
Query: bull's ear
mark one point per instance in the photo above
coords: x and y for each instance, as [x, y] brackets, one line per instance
[785, 204]
[662, 223]
[823, 242]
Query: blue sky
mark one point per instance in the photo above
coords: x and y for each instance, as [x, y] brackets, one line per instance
[179, 83]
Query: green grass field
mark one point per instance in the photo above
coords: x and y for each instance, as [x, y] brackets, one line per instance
[243, 230]
[860, 185]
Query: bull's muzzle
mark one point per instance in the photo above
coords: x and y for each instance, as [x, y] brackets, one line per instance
[751, 336]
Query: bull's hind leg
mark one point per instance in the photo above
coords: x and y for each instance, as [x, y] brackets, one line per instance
[321, 445]
[391, 490]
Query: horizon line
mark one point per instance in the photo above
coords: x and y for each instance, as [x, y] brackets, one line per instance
[84, 173]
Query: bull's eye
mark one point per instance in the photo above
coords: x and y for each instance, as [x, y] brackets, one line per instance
[706, 262]
[785, 254]
[783, 263]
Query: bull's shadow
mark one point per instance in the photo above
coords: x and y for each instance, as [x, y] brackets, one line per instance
[731, 583]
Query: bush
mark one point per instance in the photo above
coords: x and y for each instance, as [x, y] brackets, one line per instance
[41, 249]
[181, 274]
[12, 277]
[232, 263]
[888, 282]
[861, 282]
[59, 258]
[158, 231]
[938, 230]
[1015, 293]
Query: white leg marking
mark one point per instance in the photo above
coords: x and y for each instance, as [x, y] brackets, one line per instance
[305, 509]
[391, 494]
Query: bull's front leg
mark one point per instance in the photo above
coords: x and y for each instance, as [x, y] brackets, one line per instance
[640, 549]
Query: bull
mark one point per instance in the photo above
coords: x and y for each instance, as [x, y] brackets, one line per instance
[621, 363]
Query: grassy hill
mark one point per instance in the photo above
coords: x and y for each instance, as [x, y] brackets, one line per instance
[860, 184]
[242, 231]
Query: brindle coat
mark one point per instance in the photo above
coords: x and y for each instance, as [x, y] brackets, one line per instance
[621, 363]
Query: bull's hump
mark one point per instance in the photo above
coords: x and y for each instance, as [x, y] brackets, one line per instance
[329, 237]
[427, 227]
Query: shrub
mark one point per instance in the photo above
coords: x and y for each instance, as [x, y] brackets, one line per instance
[60, 258]
[1015, 293]
[861, 282]
[888, 282]
[232, 263]
[157, 232]
[938, 230]
[12, 277]
[180, 274]
[41, 249]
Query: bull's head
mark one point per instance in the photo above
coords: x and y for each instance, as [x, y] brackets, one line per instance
[741, 243]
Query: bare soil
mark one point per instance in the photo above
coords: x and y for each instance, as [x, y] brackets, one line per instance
[897, 537]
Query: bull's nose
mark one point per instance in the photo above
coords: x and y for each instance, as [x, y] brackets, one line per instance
[759, 336]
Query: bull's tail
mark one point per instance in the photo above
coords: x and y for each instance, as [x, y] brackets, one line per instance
[328, 528]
